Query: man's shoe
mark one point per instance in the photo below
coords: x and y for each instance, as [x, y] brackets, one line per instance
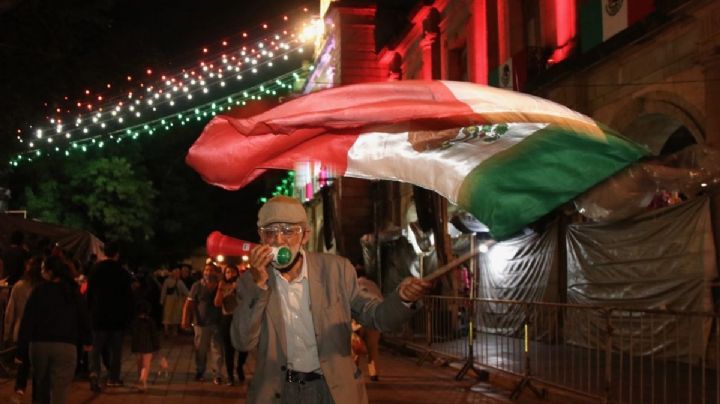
[241, 376]
[95, 384]
[375, 378]
[199, 377]
[230, 382]
[217, 381]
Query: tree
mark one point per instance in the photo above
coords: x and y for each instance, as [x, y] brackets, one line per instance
[106, 196]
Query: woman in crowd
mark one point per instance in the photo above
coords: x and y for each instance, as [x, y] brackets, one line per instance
[172, 299]
[14, 311]
[227, 301]
[144, 343]
[55, 321]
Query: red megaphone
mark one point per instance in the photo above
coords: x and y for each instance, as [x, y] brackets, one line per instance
[220, 244]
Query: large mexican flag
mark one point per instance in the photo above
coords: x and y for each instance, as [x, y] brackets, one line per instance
[506, 157]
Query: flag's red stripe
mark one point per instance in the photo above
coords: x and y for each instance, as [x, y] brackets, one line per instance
[368, 106]
[638, 9]
[231, 160]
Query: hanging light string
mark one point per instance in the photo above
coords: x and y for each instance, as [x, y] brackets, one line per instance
[280, 85]
[220, 72]
[283, 27]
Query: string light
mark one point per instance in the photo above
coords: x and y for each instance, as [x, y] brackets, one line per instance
[286, 187]
[272, 88]
[201, 78]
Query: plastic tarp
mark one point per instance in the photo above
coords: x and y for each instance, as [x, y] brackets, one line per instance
[78, 243]
[664, 259]
[691, 171]
[517, 269]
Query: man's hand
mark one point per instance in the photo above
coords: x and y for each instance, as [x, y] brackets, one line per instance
[260, 258]
[411, 289]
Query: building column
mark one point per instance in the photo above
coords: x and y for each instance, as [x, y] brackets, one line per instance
[710, 48]
[431, 46]
[711, 67]
[477, 43]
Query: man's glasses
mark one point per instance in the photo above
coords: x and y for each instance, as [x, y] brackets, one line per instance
[287, 230]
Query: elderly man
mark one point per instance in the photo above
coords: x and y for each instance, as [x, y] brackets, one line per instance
[298, 314]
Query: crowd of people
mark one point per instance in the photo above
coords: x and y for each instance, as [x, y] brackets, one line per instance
[68, 318]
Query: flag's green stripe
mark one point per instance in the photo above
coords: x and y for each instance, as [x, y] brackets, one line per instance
[591, 24]
[518, 186]
[494, 77]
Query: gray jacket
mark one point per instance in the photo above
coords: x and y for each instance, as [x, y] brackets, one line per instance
[335, 299]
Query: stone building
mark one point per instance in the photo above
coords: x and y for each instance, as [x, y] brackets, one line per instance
[647, 68]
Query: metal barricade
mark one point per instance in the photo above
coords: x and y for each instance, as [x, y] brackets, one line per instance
[610, 354]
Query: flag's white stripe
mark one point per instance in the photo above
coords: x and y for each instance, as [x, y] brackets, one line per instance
[390, 156]
[499, 105]
[613, 24]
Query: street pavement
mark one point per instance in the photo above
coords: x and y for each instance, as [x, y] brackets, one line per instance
[401, 381]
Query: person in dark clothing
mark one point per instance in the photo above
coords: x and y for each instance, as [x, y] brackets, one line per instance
[54, 322]
[110, 300]
[145, 341]
[186, 276]
[14, 258]
[14, 312]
